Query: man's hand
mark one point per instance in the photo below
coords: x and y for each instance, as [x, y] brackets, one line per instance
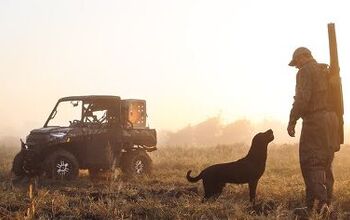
[291, 130]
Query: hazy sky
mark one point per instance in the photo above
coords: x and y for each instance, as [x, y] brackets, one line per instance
[189, 59]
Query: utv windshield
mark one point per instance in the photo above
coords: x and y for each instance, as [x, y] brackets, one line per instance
[84, 113]
[66, 114]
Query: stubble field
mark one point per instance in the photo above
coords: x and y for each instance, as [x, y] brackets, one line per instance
[166, 194]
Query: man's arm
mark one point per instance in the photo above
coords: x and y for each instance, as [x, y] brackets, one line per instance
[301, 99]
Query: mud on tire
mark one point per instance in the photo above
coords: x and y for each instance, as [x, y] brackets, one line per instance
[136, 163]
[61, 165]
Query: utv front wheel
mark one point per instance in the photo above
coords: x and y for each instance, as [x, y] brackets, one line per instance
[136, 163]
[62, 165]
[17, 165]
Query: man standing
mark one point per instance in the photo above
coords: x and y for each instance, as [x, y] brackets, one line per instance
[319, 135]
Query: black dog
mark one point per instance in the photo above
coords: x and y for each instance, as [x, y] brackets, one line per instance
[246, 170]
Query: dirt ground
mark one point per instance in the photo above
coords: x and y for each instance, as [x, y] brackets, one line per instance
[166, 194]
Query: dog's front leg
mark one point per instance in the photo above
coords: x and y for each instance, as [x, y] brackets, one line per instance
[252, 190]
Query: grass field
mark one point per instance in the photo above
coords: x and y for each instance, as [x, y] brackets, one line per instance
[167, 194]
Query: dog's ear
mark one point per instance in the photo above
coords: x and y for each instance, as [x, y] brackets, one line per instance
[257, 139]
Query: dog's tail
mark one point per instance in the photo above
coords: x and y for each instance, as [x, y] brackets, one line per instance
[193, 179]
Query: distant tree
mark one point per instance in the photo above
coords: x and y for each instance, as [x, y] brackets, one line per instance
[239, 131]
[183, 136]
[208, 131]
[212, 132]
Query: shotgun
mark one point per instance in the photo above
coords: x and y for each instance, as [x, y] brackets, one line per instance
[335, 91]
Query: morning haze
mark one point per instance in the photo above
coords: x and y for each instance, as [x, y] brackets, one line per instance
[190, 60]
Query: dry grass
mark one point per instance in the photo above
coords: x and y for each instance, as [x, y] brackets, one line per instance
[168, 195]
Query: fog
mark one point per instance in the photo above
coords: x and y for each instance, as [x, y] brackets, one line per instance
[214, 132]
[210, 132]
[190, 60]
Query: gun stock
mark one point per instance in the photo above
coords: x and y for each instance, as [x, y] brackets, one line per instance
[336, 91]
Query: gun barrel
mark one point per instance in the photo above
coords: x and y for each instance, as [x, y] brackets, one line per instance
[336, 91]
[333, 49]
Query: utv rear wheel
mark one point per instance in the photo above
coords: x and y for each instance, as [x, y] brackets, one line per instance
[136, 163]
[62, 165]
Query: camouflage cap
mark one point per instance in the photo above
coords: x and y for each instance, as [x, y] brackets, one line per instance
[299, 51]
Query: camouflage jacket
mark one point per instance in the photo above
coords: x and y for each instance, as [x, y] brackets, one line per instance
[311, 91]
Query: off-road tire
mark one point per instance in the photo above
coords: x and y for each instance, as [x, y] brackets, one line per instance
[61, 165]
[17, 165]
[136, 163]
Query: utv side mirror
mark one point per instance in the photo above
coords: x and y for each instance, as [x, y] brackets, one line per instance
[23, 145]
